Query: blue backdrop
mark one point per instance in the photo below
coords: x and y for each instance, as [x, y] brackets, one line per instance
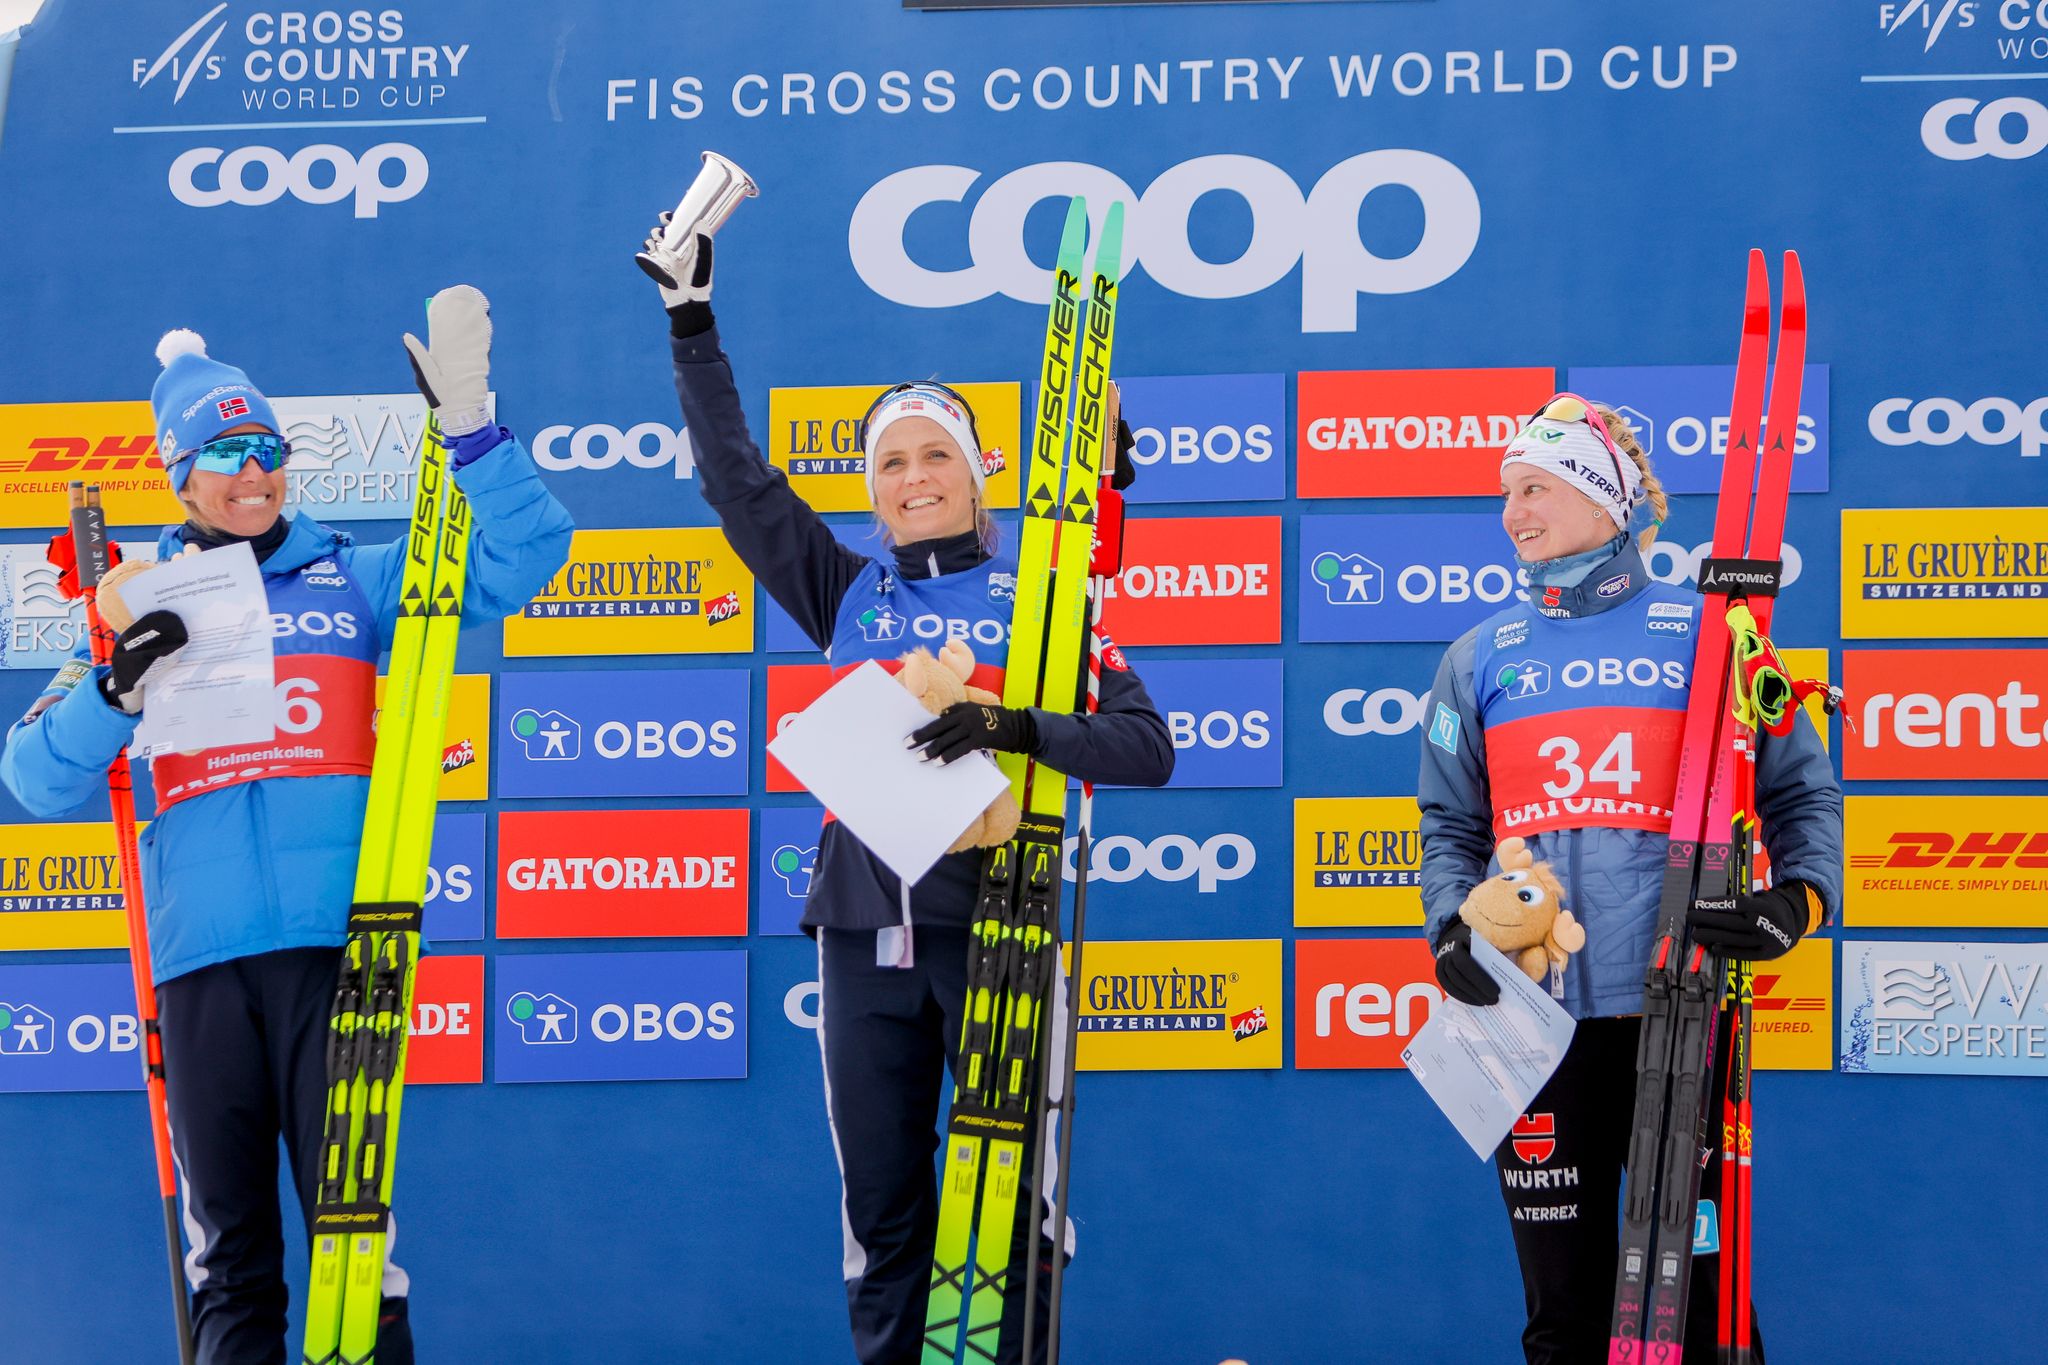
[1325, 187]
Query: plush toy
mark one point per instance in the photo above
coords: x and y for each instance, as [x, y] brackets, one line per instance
[1521, 912]
[937, 684]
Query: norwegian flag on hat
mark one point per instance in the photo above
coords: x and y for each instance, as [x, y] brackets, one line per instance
[231, 408]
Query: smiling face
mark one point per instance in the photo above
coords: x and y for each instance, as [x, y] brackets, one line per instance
[1547, 518]
[245, 503]
[923, 487]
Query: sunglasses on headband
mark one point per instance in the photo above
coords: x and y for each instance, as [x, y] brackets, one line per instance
[929, 386]
[227, 454]
[1568, 408]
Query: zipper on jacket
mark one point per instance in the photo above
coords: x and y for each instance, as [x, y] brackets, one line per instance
[259, 808]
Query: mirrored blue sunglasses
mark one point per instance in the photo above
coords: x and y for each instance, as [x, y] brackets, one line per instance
[227, 454]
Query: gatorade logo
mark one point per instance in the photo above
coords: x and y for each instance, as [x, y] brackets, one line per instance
[1196, 581]
[622, 874]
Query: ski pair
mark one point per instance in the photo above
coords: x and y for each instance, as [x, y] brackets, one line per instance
[82, 558]
[1013, 940]
[1713, 830]
[373, 999]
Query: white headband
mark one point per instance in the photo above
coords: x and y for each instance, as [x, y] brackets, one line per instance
[927, 401]
[1571, 451]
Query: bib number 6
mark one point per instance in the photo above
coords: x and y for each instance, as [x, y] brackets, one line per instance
[1616, 765]
[297, 712]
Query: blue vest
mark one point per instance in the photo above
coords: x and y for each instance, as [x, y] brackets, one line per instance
[885, 616]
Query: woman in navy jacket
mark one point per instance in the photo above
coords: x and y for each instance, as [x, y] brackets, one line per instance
[892, 958]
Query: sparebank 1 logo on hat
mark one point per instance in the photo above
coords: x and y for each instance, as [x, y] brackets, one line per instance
[643, 732]
[621, 1016]
[1225, 719]
[1413, 577]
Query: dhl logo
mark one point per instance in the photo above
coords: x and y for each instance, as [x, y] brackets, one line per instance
[2020, 849]
[1764, 1000]
[79, 455]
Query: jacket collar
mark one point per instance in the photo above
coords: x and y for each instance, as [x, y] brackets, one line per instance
[1607, 584]
[305, 541]
[944, 555]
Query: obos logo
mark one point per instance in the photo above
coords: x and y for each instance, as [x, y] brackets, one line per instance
[1680, 417]
[1170, 858]
[455, 900]
[1353, 711]
[640, 592]
[1174, 1006]
[1196, 581]
[1360, 1001]
[1954, 1008]
[1225, 717]
[1943, 861]
[622, 874]
[1930, 572]
[44, 446]
[1401, 577]
[1208, 438]
[788, 849]
[649, 445]
[68, 1028]
[1410, 433]
[660, 733]
[1947, 714]
[1357, 860]
[622, 1016]
[1320, 231]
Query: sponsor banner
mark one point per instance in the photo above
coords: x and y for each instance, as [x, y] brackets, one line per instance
[1984, 422]
[1941, 862]
[600, 445]
[446, 1035]
[1410, 433]
[620, 1016]
[679, 591]
[791, 688]
[645, 732]
[1196, 581]
[69, 1028]
[354, 457]
[38, 628]
[814, 434]
[1209, 863]
[1416, 577]
[788, 856]
[1359, 1001]
[1679, 414]
[1354, 712]
[1926, 573]
[1180, 1005]
[622, 873]
[1792, 1009]
[1946, 714]
[60, 887]
[1207, 437]
[456, 877]
[1225, 716]
[44, 446]
[1960, 1009]
[466, 744]
[1357, 860]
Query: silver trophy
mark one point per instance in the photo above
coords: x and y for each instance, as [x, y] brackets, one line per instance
[710, 200]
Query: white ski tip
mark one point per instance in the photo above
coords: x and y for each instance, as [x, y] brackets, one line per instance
[179, 341]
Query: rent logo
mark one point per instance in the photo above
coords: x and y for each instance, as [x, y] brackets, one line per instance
[1976, 1009]
[1357, 860]
[1180, 1005]
[1225, 717]
[1974, 573]
[466, 743]
[1196, 581]
[44, 446]
[638, 733]
[1410, 433]
[1360, 1000]
[1207, 437]
[1426, 577]
[788, 848]
[620, 1016]
[455, 881]
[1946, 714]
[69, 1028]
[815, 435]
[622, 873]
[60, 887]
[446, 1044]
[1679, 414]
[1941, 862]
[639, 592]
[791, 688]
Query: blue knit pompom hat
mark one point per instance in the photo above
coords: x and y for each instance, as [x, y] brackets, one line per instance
[196, 398]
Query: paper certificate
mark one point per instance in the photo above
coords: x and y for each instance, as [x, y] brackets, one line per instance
[217, 689]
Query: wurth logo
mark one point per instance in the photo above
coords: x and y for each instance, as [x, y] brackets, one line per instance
[77, 455]
[1534, 1138]
[1978, 848]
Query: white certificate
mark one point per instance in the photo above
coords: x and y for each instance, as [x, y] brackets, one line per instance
[217, 689]
[1483, 1064]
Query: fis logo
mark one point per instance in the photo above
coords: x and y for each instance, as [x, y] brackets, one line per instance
[26, 1031]
[1534, 1138]
[542, 1019]
[881, 623]
[548, 736]
[794, 866]
[1249, 1024]
[1529, 678]
[1350, 580]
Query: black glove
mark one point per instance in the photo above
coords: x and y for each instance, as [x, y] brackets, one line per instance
[1458, 972]
[1759, 928]
[1126, 471]
[151, 638]
[966, 726]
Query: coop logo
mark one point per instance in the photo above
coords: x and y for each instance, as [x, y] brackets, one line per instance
[1963, 129]
[1196, 581]
[1679, 414]
[1353, 712]
[1320, 231]
[660, 733]
[1375, 578]
[1534, 1138]
[1945, 421]
[649, 445]
[1410, 433]
[1669, 618]
[1225, 718]
[1945, 1007]
[622, 1016]
[211, 177]
[622, 873]
[1947, 714]
[1170, 858]
[1207, 438]
[1360, 1000]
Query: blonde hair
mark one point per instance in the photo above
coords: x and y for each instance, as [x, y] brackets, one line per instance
[1625, 437]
